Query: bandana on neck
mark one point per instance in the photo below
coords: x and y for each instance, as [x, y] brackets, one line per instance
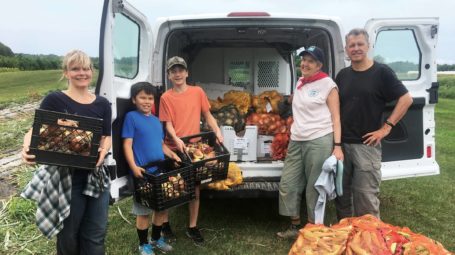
[317, 76]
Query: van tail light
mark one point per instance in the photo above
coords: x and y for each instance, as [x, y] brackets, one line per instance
[429, 151]
[248, 14]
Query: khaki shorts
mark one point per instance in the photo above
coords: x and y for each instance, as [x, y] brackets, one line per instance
[361, 181]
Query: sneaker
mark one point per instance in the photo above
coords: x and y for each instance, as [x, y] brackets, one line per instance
[146, 249]
[167, 233]
[291, 233]
[161, 245]
[195, 235]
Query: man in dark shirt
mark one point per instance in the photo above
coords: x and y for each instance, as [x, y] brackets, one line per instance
[365, 87]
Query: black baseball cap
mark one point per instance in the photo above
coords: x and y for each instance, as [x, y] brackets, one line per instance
[315, 52]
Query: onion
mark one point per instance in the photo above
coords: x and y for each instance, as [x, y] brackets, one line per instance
[272, 128]
[282, 129]
[254, 118]
[289, 121]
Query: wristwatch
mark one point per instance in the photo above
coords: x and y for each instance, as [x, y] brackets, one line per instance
[389, 123]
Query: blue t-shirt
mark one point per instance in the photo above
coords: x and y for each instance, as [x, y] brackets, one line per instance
[147, 134]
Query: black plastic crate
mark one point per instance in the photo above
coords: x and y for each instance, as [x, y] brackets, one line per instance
[171, 185]
[65, 140]
[208, 169]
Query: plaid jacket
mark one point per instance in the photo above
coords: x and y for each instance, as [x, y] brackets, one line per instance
[51, 186]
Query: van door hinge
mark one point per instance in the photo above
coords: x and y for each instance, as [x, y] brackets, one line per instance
[433, 91]
[117, 6]
[434, 31]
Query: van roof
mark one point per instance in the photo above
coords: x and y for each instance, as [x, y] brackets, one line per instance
[252, 15]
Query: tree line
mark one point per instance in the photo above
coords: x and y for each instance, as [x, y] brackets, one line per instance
[27, 62]
[446, 67]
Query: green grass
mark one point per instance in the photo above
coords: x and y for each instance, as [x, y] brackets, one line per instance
[20, 86]
[12, 132]
[447, 86]
[426, 204]
[8, 69]
[25, 86]
[230, 226]
[247, 226]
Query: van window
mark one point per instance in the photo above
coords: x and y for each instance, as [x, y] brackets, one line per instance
[126, 47]
[239, 73]
[400, 51]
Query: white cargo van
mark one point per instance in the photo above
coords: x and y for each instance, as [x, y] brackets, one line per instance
[262, 47]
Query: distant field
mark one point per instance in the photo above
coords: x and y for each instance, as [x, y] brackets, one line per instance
[23, 86]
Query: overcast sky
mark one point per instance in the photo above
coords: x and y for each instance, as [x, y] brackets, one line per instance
[55, 27]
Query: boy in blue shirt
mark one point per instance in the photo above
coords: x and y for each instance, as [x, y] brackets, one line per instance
[143, 135]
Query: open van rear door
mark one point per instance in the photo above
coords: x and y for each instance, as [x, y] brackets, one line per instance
[126, 44]
[408, 46]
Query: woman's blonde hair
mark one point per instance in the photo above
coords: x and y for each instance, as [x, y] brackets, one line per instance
[76, 57]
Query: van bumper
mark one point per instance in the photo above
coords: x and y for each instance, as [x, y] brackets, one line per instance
[266, 187]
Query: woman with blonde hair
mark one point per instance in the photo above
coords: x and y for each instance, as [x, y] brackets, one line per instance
[72, 203]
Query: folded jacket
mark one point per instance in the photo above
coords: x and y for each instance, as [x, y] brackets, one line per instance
[51, 187]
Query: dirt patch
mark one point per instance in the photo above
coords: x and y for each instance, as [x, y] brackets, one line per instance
[18, 110]
[10, 159]
[8, 165]
[6, 189]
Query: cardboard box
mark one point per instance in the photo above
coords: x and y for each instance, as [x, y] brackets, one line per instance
[264, 146]
[241, 148]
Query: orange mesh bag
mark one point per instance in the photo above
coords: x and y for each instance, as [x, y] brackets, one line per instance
[319, 239]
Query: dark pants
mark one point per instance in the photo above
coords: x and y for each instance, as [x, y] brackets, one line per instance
[85, 228]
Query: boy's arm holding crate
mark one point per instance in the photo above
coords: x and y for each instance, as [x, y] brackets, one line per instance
[128, 151]
[168, 152]
[211, 122]
[171, 132]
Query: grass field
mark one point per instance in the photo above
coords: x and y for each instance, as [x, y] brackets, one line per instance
[13, 131]
[19, 87]
[447, 86]
[248, 226]
[23, 86]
